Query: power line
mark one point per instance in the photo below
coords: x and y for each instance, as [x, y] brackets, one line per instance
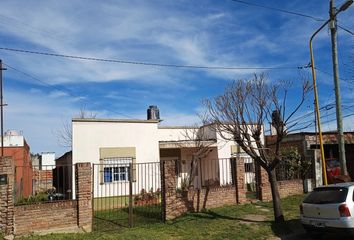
[63, 89]
[327, 107]
[145, 63]
[345, 29]
[279, 10]
[330, 74]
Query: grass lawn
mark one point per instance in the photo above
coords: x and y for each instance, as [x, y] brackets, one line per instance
[115, 218]
[248, 221]
[110, 202]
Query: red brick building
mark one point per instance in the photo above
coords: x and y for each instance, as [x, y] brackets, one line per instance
[15, 146]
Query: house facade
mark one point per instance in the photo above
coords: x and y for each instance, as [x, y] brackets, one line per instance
[124, 151]
[114, 147]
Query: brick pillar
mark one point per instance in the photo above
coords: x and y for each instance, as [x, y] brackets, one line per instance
[83, 176]
[173, 205]
[265, 190]
[240, 180]
[7, 172]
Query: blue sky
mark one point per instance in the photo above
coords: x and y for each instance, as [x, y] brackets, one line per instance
[181, 32]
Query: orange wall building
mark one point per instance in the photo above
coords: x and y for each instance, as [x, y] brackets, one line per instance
[15, 146]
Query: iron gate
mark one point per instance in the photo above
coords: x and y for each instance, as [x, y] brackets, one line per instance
[126, 194]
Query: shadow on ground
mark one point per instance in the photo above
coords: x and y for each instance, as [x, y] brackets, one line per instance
[288, 230]
[293, 230]
[214, 215]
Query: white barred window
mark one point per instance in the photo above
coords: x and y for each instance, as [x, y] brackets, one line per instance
[116, 169]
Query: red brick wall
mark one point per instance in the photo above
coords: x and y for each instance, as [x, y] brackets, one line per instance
[290, 187]
[176, 204]
[83, 174]
[286, 188]
[173, 205]
[66, 216]
[6, 196]
[44, 217]
[240, 180]
[21, 159]
[213, 197]
[265, 191]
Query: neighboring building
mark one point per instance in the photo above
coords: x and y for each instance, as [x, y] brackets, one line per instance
[114, 145]
[307, 144]
[15, 146]
[47, 159]
[62, 175]
[35, 160]
[43, 172]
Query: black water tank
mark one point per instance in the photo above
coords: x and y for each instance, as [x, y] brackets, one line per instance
[153, 113]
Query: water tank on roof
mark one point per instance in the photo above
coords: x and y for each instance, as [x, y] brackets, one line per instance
[12, 133]
[153, 113]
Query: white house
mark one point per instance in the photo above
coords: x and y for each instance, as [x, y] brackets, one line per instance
[124, 150]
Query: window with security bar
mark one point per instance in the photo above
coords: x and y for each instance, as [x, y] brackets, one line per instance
[116, 169]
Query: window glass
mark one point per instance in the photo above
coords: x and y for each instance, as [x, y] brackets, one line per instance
[327, 195]
[107, 174]
[121, 173]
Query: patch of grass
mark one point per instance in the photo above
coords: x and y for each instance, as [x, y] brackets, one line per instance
[105, 203]
[229, 222]
[119, 218]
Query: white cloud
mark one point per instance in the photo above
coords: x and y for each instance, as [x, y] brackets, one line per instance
[56, 94]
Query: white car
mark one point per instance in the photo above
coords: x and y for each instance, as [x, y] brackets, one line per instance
[329, 209]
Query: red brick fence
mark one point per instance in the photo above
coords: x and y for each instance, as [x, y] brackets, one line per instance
[47, 217]
[176, 203]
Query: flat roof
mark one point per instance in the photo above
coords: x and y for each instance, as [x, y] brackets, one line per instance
[178, 127]
[185, 144]
[114, 120]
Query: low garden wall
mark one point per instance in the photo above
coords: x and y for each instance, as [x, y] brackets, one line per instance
[45, 217]
[212, 197]
[290, 187]
[176, 203]
[286, 187]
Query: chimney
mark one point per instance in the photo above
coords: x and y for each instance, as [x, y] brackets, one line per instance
[153, 113]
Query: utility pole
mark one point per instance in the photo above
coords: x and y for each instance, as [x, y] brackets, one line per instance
[2, 110]
[341, 143]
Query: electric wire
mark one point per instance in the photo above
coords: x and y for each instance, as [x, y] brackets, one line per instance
[145, 63]
[279, 10]
[345, 29]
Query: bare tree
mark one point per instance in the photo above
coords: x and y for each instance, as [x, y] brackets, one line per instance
[64, 135]
[241, 112]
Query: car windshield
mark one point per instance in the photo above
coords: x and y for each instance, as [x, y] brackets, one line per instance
[327, 195]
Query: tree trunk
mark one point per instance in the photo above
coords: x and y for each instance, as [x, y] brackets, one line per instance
[278, 212]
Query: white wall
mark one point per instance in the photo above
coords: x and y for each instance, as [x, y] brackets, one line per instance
[91, 135]
[175, 133]
[225, 142]
[13, 141]
[48, 158]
